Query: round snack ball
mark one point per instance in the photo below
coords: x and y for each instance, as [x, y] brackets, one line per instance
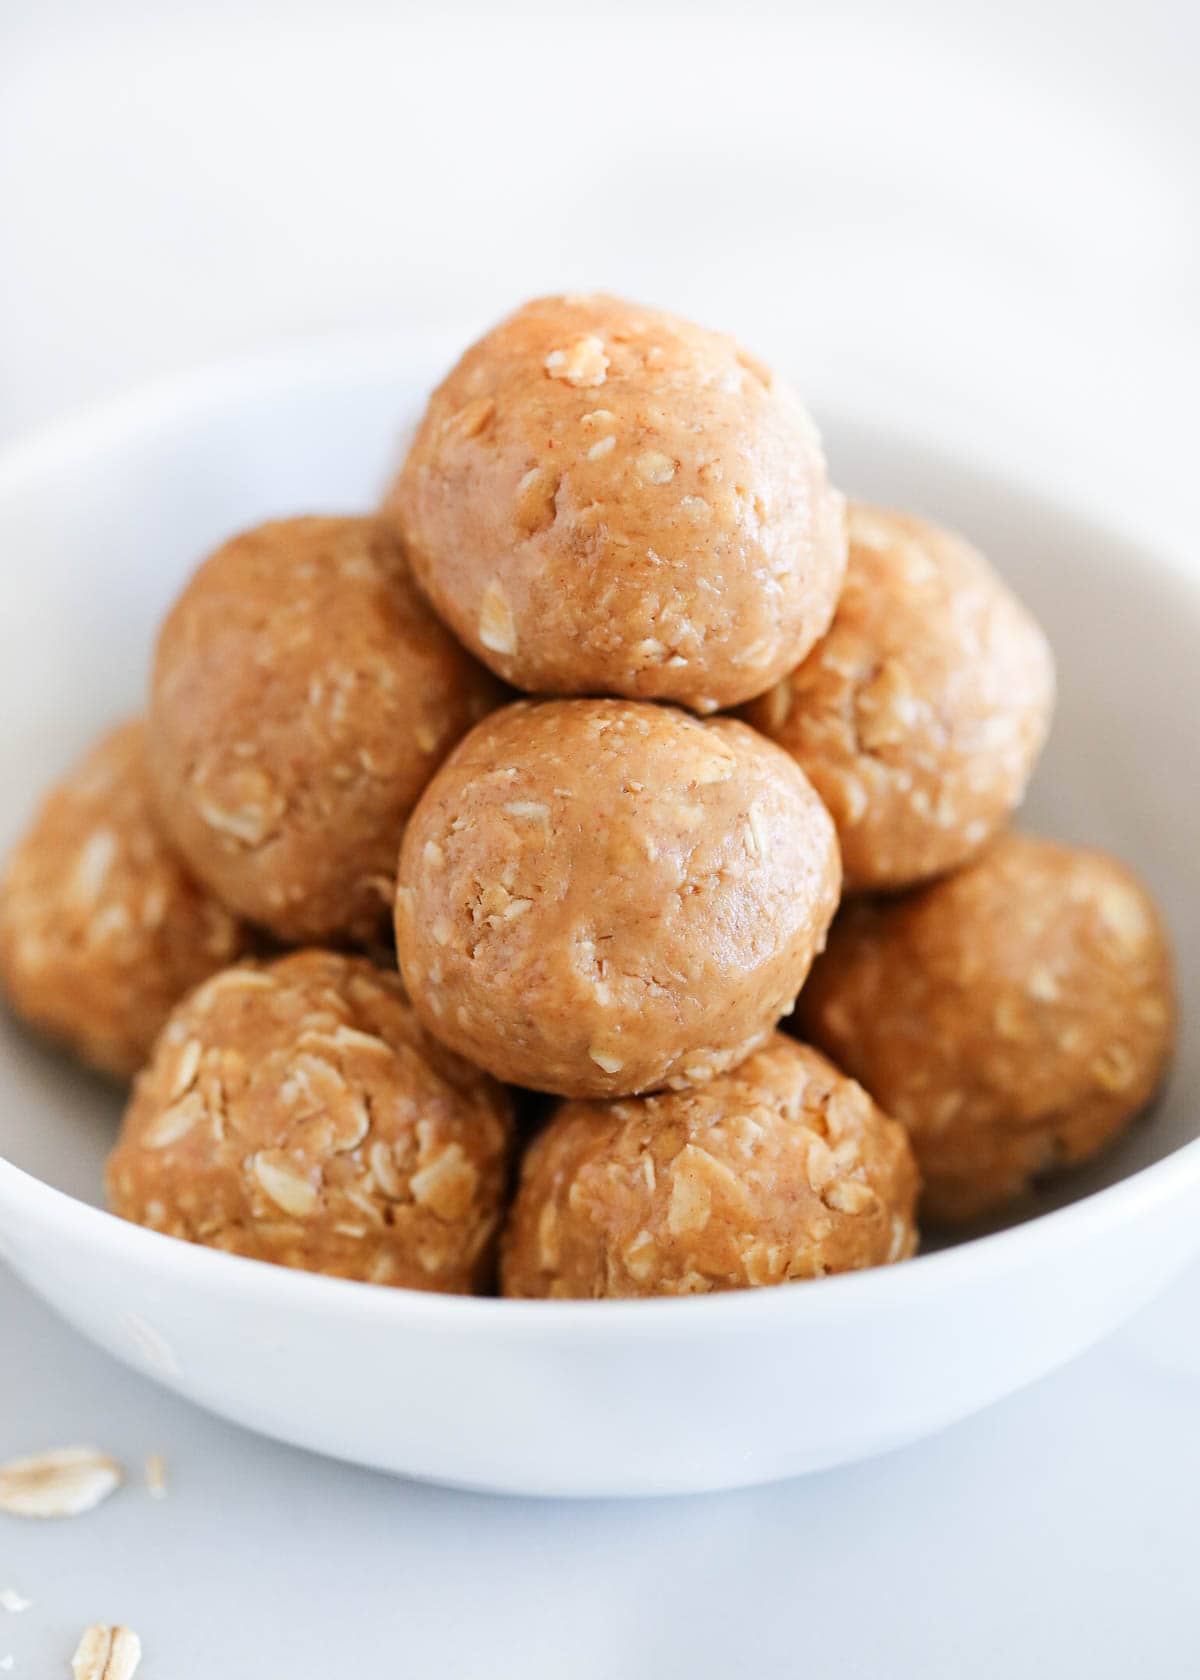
[296, 1112]
[920, 716]
[782, 1169]
[102, 930]
[1014, 1016]
[605, 499]
[302, 696]
[603, 896]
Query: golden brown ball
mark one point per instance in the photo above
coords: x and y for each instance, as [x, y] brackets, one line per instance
[603, 896]
[302, 696]
[296, 1112]
[603, 499]
[1015, 1016]
[781, 1169]
[102, 929]
[921, 714]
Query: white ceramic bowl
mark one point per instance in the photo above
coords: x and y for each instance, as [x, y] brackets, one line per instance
[99, 522]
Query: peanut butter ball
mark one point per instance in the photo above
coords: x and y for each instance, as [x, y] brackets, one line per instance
[920, 715]
[605, 499]
[296, 1112]
[782, 1169]
[1014, 1016]
[600, 896]
[102, 929]
[302, 696]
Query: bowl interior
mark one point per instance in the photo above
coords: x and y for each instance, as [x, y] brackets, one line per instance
[100, 524]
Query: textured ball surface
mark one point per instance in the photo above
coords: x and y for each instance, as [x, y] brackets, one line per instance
[920, 715]
[781, 1169]
[1015, 1016]
[603, 499]
[600, 896]
[302, 696]
[102, 928]
[297, 1112]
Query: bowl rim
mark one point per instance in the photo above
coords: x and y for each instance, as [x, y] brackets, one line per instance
[973, 1261]
[345, 359]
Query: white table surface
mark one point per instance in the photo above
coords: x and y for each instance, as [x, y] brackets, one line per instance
[980, 218]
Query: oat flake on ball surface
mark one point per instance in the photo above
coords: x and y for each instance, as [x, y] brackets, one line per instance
[303, 694]
[782, 1169]
[603, 499]
[297, 1112]
[1015, 1016]
[102, 929]
[604, 896]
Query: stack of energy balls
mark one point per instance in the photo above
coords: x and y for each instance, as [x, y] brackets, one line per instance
[606, 893]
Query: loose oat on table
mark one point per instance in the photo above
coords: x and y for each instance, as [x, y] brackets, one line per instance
[63, 1482]
[303, 694]
[102, 928]
[604, 896]
[783, 1169]
[605, 499]
[155, 1472]
[1015, 1016]
[13, 1602]
[919, 717]
[107, 1653]
[297, 1112]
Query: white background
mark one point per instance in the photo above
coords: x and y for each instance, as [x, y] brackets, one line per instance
[978, 220]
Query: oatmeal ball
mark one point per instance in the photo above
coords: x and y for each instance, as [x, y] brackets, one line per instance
[605, 499]
[603, 896]
[102, 930]
[302, 696]
[296, 1112]
[1014, 1016]
[782, 1169]
[919, 717]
